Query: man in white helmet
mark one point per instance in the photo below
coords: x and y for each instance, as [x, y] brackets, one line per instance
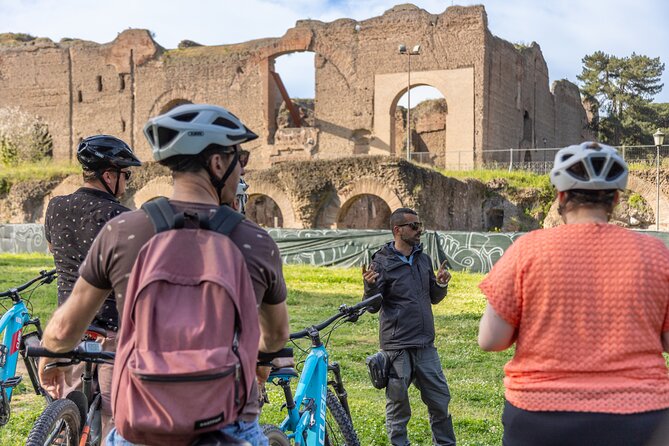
[587, 305]
[200, 145]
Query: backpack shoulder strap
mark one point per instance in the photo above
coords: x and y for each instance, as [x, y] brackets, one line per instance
[225, 220]
[160, 213]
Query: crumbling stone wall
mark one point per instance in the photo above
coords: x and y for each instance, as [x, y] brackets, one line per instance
[81, 88]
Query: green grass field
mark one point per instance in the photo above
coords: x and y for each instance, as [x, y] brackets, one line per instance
[475, 377]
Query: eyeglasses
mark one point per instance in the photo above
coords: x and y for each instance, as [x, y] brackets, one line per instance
[125, 173]
[414, 225]
[243, 156]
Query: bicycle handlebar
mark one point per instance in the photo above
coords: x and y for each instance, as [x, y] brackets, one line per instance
[84, 352]
[45, 276]
[344, 311]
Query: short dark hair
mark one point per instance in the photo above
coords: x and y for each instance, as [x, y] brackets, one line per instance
[195, 163]
[589, 198]
[397, 217]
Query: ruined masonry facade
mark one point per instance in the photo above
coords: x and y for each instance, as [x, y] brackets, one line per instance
[497, 95]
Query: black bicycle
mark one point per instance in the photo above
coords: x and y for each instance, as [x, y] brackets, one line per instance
[75, 420]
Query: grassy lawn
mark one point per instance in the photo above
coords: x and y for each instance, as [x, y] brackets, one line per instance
[475, 377]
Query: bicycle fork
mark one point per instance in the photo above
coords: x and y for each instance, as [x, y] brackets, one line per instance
[338, 385]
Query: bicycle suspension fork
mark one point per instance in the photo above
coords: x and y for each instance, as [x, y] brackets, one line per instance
[338, 385]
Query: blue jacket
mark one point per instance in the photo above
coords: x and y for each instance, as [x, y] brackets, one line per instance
[409, 290]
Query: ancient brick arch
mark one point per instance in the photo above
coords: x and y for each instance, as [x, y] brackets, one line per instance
[170, 99]
[157, 187]
[281, 199]
[364, 186]
[457, 87]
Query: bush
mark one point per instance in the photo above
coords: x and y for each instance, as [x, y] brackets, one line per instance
[24, 137]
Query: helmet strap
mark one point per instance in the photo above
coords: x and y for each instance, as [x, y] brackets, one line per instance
[219, 184]
[104, 183]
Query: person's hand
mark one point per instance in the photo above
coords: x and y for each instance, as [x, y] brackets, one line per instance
[262, 373]
[53, 379]
[369, 275]
[443, 276]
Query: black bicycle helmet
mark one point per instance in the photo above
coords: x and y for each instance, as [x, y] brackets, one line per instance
[101, 152]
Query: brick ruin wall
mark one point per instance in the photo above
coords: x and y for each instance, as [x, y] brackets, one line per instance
[81, 88]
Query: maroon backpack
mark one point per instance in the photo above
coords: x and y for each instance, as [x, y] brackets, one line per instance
[188, 343]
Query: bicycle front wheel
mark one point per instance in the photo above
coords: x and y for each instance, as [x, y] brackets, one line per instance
[58, 425]
[275, 436]
[339, 427]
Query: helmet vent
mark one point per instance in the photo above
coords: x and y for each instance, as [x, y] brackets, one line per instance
[223, 122]
[578, 171]
[186, 117]
[566, 156]
[598, 164]
[166, 135]
[150, 135]
[615, 171]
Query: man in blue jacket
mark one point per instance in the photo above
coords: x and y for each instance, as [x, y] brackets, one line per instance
[403, 274]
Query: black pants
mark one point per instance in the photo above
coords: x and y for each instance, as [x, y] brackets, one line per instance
[529, 428]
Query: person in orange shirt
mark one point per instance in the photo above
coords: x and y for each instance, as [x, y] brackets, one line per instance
[587, 306]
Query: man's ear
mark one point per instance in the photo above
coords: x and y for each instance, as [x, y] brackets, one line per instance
[215, 163]
[106, 177]
[616, 198]
[561, 196]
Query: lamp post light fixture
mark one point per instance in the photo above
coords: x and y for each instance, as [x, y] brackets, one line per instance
[402, 49]
[659, 140]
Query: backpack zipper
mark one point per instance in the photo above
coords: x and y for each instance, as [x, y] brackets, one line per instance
[172, 378]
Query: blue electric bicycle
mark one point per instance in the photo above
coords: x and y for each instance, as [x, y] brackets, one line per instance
[20, 330]
[318, 414]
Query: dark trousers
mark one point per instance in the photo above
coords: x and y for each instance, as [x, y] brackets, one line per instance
[530, 428]
[420, 366]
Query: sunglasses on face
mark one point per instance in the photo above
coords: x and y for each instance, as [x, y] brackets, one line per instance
[414, 225]
[243, 155]
[125, 173]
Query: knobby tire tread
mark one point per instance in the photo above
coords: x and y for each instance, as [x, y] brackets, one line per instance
[343, 422]
[57, 410]
[275, 436]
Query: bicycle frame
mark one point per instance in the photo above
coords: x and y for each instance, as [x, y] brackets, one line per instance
[14, 341]
[306, 421]
[12, 323]
[312, 392]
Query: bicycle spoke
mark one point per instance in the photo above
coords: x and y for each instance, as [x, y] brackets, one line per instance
[58, 436]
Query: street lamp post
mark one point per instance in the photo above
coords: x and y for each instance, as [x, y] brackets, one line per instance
[659, 140]
[414, 52]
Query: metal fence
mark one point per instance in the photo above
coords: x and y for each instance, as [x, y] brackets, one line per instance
[538, 160]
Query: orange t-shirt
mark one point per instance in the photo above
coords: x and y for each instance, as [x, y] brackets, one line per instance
[590, 302]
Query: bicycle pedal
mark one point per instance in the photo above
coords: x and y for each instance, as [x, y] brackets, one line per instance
[12, 382]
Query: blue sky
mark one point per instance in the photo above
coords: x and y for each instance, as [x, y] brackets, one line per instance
[566, 30]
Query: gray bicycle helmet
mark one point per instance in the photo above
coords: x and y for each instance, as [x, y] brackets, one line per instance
[589, 166]
[189, 129]
[102, 152]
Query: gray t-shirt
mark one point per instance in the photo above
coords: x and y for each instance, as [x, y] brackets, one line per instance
[114, 251]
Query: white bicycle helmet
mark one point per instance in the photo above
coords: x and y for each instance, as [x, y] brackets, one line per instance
[189, 129]
[590, 166]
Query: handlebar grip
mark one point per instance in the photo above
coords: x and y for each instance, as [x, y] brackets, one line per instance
[34, 351]
[369, 302]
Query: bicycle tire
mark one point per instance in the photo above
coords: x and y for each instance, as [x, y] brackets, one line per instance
[338, 425]
[60, 418]
[275, 436]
